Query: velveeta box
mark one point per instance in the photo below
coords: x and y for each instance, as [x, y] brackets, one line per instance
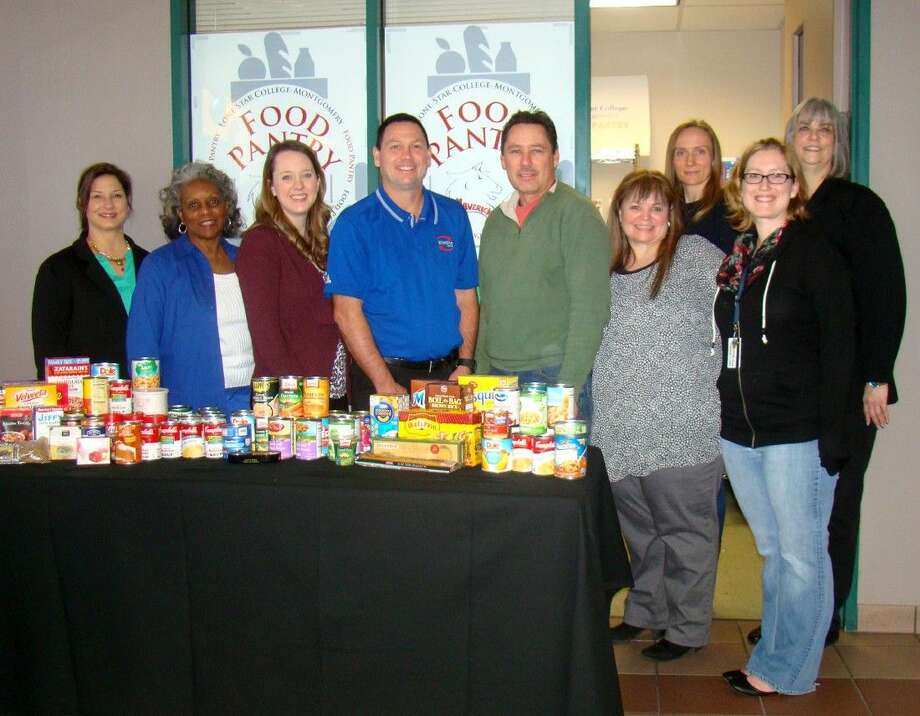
[28, 395]
[484, 387]
[466, 427]
[385, 411]
[451, 450]
[449, 397]
[69, 371]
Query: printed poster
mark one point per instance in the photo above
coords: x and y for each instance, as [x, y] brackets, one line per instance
[464, 81]
[251, 90]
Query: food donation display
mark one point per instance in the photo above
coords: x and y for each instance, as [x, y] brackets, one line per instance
[90, 413]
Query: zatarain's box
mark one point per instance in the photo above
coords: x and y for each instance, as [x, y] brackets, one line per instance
[69, 371]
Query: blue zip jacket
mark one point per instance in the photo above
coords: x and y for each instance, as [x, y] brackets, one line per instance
[174, 318]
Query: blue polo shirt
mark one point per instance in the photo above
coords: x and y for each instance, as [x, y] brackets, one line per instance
[405, 270]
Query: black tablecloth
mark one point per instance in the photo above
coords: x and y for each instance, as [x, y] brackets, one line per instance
[199, 587]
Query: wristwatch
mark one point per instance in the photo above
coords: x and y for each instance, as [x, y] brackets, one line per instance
[872, 384]
[466, 363]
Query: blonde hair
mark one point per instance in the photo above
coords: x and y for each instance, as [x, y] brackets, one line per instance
[739, 217]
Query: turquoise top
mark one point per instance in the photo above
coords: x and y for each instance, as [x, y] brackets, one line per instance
[125, 284]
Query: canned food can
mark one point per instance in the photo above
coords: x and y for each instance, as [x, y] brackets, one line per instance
[190, 432]
[260, 436]
[521, 452]
[244, 417]
[307, 438]
[544, 451]
[127, 448]
[170, 440]
[315, 396]
[214, 439]
[496, 454]
[265, 396]
[345, 455]
[496, 425]
[290, 396]
[362, 431]
[177, 412]
[533, 409]
[145, 373]
[560, 403]
[341, 436]
[281, 436]
[104, 370]
[72, 419]
[571, 449]
[95, 395]
[508, 400]
[92, 426]
[150, 441]
[120, 396]
[153, 401]
[237, 439]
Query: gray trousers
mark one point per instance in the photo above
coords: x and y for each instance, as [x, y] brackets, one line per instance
[671, 527]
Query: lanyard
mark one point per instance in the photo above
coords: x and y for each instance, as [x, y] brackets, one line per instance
[742, 285]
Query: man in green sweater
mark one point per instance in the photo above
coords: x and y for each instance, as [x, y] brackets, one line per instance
[544, 259]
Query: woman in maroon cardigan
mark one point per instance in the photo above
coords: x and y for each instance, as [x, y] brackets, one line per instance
[281, 267]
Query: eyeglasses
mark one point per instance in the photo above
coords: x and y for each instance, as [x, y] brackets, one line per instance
[757, 178]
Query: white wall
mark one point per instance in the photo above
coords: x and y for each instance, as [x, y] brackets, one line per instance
[733, 80]
[889, 567]
[82, 82]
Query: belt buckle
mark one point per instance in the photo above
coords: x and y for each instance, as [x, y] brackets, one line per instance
[430, 367]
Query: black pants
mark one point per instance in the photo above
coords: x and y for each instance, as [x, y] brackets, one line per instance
[844, 524]
[362, 388]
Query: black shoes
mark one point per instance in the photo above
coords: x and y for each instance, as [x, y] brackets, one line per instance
[625, 632]
[833, 635]
[664, 650]
[738, 680]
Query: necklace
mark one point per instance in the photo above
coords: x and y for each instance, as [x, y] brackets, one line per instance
[119, 263]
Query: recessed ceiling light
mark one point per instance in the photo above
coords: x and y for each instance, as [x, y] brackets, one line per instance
[634, 3]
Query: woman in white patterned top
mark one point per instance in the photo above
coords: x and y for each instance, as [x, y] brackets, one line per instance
[656, 414]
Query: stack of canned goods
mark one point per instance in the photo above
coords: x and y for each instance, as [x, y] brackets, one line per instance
[533, 430]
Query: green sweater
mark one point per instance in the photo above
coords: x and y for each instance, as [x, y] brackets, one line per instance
[544, 287]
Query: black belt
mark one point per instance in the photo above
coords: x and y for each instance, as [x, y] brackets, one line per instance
[430, 365]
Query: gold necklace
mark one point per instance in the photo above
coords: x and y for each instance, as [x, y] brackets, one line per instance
[119, 263]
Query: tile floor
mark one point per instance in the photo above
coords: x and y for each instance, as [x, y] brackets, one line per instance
[864, 674]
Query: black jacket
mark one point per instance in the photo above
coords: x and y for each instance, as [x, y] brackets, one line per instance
[858, 224]
[796, 357]
[76, 309]
[712, 226]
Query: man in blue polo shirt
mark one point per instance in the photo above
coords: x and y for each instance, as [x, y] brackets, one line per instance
[403, 273]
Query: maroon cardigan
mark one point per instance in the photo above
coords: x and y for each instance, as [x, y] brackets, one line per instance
[291, 323]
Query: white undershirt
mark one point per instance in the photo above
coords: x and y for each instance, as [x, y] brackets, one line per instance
[235, 343]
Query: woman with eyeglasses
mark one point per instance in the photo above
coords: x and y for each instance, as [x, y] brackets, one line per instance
[785, 313]
[694, 165]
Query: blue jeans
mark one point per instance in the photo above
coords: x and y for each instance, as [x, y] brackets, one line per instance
[584, 406]
[786, 497]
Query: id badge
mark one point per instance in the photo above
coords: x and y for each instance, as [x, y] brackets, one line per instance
[734, 352]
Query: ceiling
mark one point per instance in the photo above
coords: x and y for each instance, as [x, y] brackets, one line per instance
[692, 15]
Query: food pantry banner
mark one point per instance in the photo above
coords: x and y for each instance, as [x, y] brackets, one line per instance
[464, 81]
[253, 89]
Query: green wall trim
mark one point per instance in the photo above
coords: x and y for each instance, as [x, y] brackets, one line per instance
[375, 82]
[860, 96]
[583, 96]
[181, 25]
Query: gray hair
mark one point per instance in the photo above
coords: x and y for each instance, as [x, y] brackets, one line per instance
[170, 197]
[822, 109]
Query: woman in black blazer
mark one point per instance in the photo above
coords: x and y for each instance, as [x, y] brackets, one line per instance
[83, 292]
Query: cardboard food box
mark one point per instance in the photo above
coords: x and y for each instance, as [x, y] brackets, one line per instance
[450, 450]
[385, 411]
[69, 371]
[466, 427]
[417, 392]
[484, 387]
[449, 396]
[44, 417]
[62, 441]
[28, 395]
[95, 450]
[418, 423]
[15, 425]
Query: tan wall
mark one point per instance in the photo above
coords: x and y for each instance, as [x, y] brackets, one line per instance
[710, 75]
[816, 17]
[82, 82]
[889, 568]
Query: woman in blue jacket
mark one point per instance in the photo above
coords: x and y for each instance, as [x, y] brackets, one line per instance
[187, 309]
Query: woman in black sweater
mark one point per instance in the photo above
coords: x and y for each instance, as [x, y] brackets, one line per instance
[83, 292]
[784, 311]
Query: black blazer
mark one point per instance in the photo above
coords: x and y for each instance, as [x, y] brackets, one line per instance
[76, 309]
